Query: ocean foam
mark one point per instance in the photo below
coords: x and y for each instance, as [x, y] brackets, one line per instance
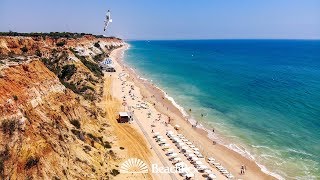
[265, 170]
[213, 136]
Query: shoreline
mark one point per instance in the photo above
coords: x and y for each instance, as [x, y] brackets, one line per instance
[200, 127]
[165, 104]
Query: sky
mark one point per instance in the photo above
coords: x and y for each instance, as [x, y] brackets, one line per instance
[167, 19]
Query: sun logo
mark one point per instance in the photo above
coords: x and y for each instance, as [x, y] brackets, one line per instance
[133, 165]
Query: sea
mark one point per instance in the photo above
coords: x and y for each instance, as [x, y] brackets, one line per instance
[262, 97]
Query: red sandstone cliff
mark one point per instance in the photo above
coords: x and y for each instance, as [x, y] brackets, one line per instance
[50, 124]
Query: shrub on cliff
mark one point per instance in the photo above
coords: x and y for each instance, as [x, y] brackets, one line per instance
[61, 43]
[15, 97]
[79, 134]
[98, 57]
[67, 71]
[114, 172]
[97, 45]
[4, 156]
[107, 145]
[9, 126]
[31, 161]
[70, 86]
[85, 88]
[24, 49]
[76, 123]
[93, 67]
[38, 53]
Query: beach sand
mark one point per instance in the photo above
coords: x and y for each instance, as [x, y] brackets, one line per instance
[138, 135]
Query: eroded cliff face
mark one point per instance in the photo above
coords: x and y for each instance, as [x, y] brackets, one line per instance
[51, 125]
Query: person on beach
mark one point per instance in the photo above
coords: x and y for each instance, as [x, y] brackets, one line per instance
[243, 171]
[213, 130]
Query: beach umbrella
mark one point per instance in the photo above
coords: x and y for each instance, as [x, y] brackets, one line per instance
[183, 172]
[197, 162]
[192, 146]
[190, 175]
[199, 156]
[189, 143]
[196, 152]
[180, 144]
[176, 159]
[184, 147]
[169, 132]
[229, 176]
[191, 155]
[224, 172]
[173, 155]
[204, 167]
[185, 140]
[169, 153]
[201, 167]
[212, 176]
[180, 164]
[195, 149]
[194, 159]
[220, 168]
[170, 150]
[207, 171]
[162, 140]
[165, 148]
[216, 164]
[159, 137]
[211, 159]
[175, 139]
[166, 145]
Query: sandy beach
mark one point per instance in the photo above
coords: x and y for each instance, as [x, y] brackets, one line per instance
[124, 90]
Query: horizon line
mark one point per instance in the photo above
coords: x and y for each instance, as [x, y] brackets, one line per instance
[169, 39]
[187, 39]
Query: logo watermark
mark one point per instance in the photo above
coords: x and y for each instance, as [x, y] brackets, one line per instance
[135, 165]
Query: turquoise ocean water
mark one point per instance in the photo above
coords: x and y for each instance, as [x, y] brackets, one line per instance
[261, 96]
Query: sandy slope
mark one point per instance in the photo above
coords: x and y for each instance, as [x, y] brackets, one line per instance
[128, 136]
